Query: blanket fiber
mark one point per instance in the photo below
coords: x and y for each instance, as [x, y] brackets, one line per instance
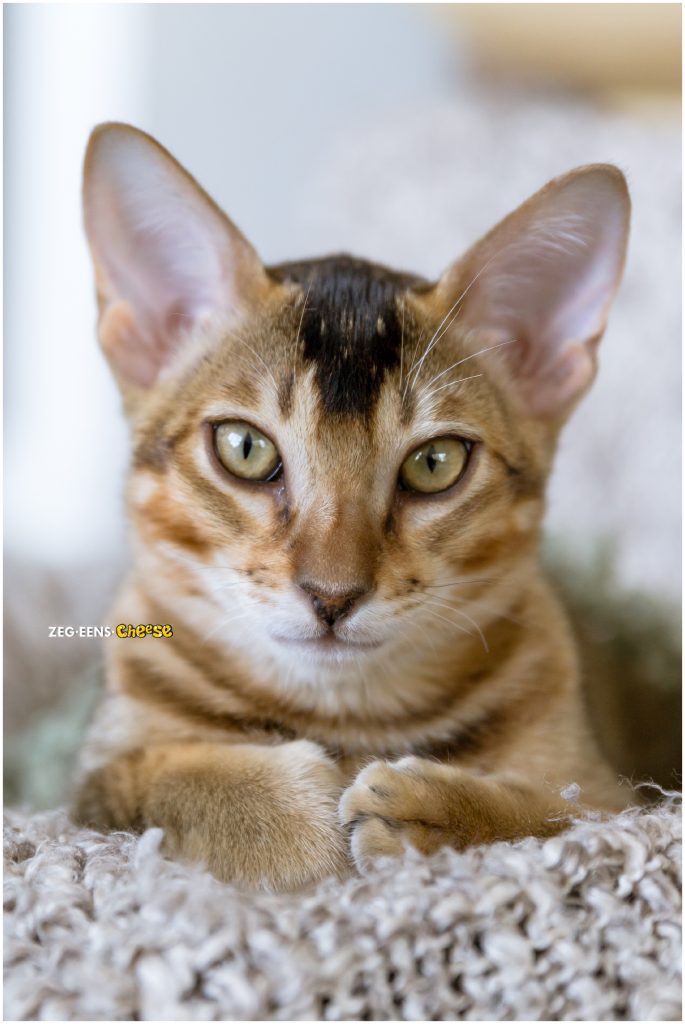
[584, 926]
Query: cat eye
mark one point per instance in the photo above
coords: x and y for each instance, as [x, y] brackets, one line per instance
[246, 452]
[435, 465]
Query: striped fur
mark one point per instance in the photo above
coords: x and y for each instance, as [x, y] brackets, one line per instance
[239, 736]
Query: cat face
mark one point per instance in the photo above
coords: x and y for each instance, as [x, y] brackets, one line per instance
[341, 537]
[332, 459]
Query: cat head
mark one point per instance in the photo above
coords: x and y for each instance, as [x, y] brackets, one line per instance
[332, 456]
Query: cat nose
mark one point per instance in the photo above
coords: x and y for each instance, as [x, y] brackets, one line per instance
[331, 606]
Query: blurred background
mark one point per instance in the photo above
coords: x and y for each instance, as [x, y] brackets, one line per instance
[400, 132]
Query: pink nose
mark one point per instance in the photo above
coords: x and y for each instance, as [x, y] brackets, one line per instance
[329, 607]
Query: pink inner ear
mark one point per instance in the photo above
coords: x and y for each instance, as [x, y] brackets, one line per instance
[131, 352]
[566, 378]
[160, 257]
[545, 277]
[165, 255]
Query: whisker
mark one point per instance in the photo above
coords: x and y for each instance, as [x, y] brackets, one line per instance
[299, 329]
[496, 612]
[262, 361]
[449, 622]
[223, 624]
[427, 635]
[465, 359]
[434, 340]
[450, 384]
[414, 354]
[218, 587]
[240, 338]
[453, 583]
[404, 306]
[463, 615]
[439, 331]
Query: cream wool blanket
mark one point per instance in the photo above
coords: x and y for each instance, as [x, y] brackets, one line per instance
[585, 926]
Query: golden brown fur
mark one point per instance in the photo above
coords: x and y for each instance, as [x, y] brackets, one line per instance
[461, 720]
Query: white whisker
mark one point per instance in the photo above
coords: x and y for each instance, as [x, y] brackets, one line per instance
[466, 579]
[299, 329]
[434, 340]
[440, 331]
[404, 306]
[449, 622]
[450, 384]
[463, 615]
[262, 361]
[495, 612]
[472, 355]
[414, 354]
[223, 624]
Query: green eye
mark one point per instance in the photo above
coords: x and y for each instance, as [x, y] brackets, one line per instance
[435, 466]
[245, 451]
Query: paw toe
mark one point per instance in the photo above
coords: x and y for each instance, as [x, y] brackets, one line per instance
[374, 839]
[374, 792]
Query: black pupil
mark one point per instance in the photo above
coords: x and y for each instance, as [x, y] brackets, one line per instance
[431, 460]
[247, 445]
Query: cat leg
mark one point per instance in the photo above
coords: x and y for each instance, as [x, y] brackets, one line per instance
[427, 805]
[256, 815]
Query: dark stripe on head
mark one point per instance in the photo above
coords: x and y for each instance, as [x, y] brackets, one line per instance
[351, 326]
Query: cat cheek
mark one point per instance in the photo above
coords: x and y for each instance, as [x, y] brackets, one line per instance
[525, 516]
[142, 489]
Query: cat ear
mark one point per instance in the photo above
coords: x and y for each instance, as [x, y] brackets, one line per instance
[165, 255]
[540, 285]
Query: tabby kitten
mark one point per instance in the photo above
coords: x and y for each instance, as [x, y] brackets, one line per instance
[336, 490]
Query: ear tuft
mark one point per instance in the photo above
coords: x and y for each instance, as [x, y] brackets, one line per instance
[544, 279]
[165, 256]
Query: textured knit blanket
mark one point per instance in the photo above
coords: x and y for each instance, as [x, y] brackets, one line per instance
[585, 926]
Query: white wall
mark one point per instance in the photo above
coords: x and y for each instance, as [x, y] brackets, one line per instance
[64, 439]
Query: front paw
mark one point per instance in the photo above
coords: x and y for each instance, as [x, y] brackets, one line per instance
[393, 806]
[257, 817]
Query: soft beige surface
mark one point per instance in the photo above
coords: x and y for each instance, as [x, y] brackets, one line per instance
[585, 926]
[594, 46]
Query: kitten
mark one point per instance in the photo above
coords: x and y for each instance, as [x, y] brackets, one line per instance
[336, 489]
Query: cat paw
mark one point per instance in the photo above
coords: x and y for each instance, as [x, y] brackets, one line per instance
[392, 806]
[276, 830]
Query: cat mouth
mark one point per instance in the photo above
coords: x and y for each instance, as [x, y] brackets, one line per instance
[329, 645]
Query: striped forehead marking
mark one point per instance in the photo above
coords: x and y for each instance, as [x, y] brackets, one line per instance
[351, 328]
